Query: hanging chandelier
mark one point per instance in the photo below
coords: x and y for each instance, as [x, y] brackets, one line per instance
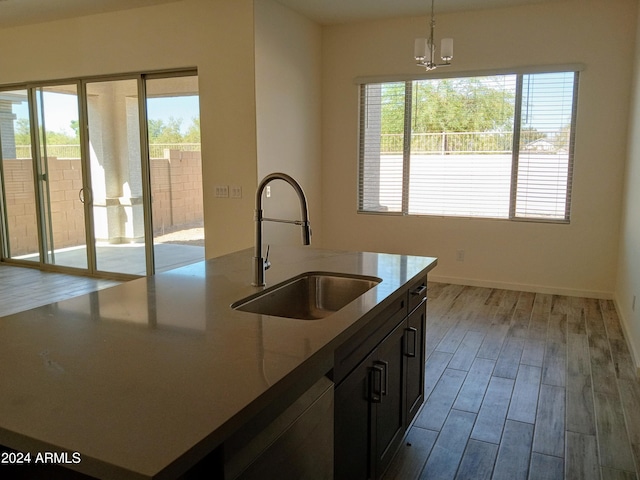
[424, 49]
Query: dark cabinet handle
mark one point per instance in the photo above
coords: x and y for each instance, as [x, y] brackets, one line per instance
[384, 367]
[375, 379]
[379, 381]
[413, 332]
[419, 291]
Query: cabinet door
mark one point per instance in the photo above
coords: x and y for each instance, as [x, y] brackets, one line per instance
[369, 420]
[414, 353]
[388, 419]
[352, 425]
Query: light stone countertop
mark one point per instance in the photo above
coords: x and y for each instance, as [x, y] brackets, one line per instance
[144, 378]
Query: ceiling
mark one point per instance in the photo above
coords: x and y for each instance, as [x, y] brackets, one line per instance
[23, 12]
[342, 11]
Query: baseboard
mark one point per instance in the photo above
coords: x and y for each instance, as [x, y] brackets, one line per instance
[635, 357]
[523, 287]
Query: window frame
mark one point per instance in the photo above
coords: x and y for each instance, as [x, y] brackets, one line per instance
[408, 81]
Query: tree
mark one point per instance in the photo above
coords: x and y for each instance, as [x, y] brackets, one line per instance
[161, 132]
[449, 105]
[193, 132]
[392, 107]
[75, 126]
[22, 132]
[61, 138]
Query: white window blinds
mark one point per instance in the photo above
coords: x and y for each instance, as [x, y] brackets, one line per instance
[545, 155]
[498, 146]
[382, 123]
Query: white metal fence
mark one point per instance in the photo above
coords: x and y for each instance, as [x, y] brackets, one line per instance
[156, 150]
[472, 142]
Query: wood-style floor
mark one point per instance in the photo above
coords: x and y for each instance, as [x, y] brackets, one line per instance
[26, 288]
[523, 386]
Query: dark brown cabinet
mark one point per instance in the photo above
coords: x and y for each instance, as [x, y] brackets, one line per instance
[414, 353]
[377, 397]
[369, 405]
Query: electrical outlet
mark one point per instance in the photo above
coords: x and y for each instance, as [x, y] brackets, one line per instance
[268, 191]
[222, 191]
[236, 191]
[460, 255]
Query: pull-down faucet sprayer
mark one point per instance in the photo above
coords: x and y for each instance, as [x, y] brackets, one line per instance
[260, 264]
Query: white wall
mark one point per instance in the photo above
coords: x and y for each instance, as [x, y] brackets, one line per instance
[288, 75]
[580, 258]
[216, 36]
[628, 284]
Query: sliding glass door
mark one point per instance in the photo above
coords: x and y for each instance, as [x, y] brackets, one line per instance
[175, 171]
[20, 216]
[102, 176]
[116, 183]
[60, 176]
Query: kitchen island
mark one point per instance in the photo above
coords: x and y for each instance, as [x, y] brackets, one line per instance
[145, 379]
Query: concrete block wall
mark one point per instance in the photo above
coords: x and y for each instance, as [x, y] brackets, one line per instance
[176, 193]
[176, 190]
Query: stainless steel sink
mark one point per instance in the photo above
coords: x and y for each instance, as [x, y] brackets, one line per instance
[309, 296]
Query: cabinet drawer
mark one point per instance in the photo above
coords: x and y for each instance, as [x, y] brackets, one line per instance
[416, 294]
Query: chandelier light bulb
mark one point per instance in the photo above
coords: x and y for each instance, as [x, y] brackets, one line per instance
[420, 49]
[446, 49]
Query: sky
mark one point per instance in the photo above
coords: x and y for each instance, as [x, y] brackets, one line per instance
[61, 109]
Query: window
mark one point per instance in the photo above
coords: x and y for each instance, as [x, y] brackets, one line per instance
[498, 146]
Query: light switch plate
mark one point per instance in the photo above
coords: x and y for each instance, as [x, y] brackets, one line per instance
[222, 191]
